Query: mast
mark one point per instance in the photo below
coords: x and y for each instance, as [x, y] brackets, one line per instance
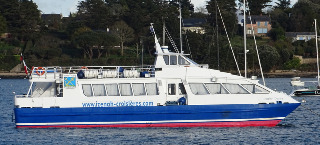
[180, 18]
[244, 38]
[163, 33]
[315, 28]
[217, 33]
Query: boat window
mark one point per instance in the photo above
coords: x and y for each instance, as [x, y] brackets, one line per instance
[235, 89]
[198, 89]
[138, 89]
[249, 87]
[125, 89]
[152, 89]
[87, 90]
[216, 89]
[254, 88]
[112, 89]
[43, 88]
[166, 59]
[182, 61]
[171, 89]
[258, 89]
[99, 90]
[173, 60]
[190, 60]
[182, 90]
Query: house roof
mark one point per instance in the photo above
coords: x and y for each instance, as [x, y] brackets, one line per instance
[295, 34]
[193, 22]
[257, 18]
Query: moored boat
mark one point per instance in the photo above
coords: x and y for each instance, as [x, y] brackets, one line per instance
[313, 90]
[296, 81]
[174, 92]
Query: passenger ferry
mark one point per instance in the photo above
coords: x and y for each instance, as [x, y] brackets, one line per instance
[174, 92]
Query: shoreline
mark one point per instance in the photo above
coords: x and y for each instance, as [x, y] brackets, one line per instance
[22, 75]
[290, 74]
[8, 75]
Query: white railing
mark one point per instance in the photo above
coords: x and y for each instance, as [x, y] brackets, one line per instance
[22, 96]
[89, 72]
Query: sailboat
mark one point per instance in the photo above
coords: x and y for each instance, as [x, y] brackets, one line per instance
[313, 90]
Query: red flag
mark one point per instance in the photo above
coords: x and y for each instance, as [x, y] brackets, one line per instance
[25, 69]
[24, 64]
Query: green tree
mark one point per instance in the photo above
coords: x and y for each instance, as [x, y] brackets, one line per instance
[139, 15]
[293, 64]
[310, 48]
[117, 8]
[104, 41]
[279, 18]
[197, 45]
[94, 14]
[277, 34]
[87, 41]
[256, 6]
[94, 41]
[47, 47]
[123, 32]
[29, 22]
[283, 4]
[228, 12]
[3, 24]
[306, 11]
[269, 57]
[315, 1]
[9, 9]
[187, 8]
[23, 19]
[285, 50]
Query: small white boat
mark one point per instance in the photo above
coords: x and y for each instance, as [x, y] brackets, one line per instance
[295, 81]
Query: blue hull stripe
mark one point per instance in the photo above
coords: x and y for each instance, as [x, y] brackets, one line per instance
[187, 113]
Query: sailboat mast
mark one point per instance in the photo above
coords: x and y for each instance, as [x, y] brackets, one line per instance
[217, 33]
[244, 38]
[315, 28]
[180, 18]
[163, 33]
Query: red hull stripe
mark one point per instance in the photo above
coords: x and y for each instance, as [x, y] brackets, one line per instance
[269, 123]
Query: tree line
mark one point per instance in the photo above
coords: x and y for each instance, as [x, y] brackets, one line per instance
[113, 32]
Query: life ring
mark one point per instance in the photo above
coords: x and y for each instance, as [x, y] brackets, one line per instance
[40, 71]
[84, 67]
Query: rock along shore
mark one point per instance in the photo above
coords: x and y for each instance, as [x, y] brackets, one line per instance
[7, 75]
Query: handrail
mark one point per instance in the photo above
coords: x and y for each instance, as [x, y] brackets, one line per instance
[22, 96]
[53, 72]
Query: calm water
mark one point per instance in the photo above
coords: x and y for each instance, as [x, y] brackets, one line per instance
[300, 127]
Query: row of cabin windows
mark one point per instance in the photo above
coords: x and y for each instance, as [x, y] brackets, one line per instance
[215, 88]
[122, 89]
[174, 60]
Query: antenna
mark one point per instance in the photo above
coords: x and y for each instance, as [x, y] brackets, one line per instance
[244, 38]
[315, 27]
[217, 33]
[180, 18]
